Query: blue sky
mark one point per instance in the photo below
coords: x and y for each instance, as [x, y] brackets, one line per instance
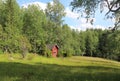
[72, 17]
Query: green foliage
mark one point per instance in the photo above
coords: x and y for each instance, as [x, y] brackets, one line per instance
[69, 52]
[30, 29]
[25, 46]
[33, 26]
[11, 25]
[43, 49]
[89, 7]
[55, 12]
[82, 42]
[65, 52]
[1, 51]
[89, 45]
[91, 42]
[60, 53]
[48, 53]
[109, 45]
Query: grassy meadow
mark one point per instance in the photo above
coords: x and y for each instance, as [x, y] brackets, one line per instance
[76, 68]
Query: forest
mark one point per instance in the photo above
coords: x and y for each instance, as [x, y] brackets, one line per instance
[29, 30]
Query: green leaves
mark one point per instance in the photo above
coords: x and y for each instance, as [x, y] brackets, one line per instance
[89, 7]
[30, 29]
[11, 25]
[55, 12]
[33, 26]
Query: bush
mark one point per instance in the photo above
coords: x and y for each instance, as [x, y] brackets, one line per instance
[65, 53]
[69, 52]
[77, 52]
[1, 52]
[24, 45]
[60, 53]
[48, 53]
[42, 52]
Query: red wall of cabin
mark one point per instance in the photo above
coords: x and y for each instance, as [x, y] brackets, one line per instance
[54, 51]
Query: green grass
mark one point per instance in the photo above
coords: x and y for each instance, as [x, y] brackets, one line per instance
[37, 68]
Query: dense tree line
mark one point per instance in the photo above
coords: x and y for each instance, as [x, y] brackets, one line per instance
[30, 29]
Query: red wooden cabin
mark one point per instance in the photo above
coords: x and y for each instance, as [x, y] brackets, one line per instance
[54, 50]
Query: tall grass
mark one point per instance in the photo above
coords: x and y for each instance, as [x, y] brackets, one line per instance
[38, 68]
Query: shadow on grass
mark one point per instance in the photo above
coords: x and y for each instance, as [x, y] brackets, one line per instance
[50, 72]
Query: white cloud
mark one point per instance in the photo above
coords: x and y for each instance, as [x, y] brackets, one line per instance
[100, 27]
[89, 26]
[71, 14]
[85, 26]
[51, 2]
[82, 25]
[40, 4]
[82, 20]
[76, 28]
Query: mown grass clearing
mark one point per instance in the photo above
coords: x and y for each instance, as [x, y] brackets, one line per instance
[37, 68]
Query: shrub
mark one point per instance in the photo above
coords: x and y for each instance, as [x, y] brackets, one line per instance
[1, 52]
[69, 52]
[60, 53]
[65, 53]
[48, 53]
[24, 46]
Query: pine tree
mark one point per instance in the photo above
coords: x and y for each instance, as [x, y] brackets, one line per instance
[13, 25]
